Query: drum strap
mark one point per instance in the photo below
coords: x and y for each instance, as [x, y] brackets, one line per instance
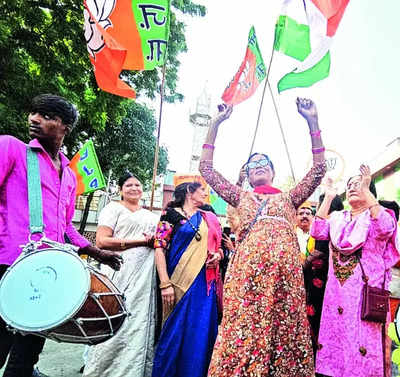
[34, 192]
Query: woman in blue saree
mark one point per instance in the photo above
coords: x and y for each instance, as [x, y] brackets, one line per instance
[187, 259]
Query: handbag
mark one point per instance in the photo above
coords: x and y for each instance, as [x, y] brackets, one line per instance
[375, 300]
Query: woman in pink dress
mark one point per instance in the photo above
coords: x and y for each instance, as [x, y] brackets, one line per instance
[349, 346]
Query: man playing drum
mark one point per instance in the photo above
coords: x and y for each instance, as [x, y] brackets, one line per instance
[51, 118]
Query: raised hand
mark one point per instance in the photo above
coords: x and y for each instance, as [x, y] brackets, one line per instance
[307, 110]
[224, 112]
[365, 177]
[330, 190]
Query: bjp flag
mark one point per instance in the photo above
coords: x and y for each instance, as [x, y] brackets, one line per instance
[249, 76]
[125, 34]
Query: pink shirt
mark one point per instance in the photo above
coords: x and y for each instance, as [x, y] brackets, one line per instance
[58, 199]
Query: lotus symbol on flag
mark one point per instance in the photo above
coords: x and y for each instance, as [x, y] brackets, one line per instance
[244, 81]
[100, 10]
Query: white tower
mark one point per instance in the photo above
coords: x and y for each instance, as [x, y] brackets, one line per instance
[201, 121]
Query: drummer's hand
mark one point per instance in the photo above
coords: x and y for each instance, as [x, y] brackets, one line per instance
[111, 258]
[149, 240]
[168, 298]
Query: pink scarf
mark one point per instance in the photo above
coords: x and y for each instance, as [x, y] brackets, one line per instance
[213, 246]
[348, 237]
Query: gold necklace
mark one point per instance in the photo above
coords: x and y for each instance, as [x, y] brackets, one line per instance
[355, 212]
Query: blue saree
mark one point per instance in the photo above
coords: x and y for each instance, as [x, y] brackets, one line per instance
[187, 338]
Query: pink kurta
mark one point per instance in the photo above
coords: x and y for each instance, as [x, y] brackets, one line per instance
[349, 346]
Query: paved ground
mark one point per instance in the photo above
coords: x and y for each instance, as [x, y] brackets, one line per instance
[60, 359]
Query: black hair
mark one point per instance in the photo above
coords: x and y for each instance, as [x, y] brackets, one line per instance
[55, 106]
[123, 178]
[208, 207]
[181, 192]
[336, 205]
[372, 186]
[391, 205]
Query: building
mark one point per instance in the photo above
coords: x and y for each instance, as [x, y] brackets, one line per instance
[200, 120]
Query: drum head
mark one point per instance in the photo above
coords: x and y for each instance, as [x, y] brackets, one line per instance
[397, 321]
[43, 290]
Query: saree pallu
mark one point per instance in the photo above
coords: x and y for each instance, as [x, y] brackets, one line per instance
[189, 332]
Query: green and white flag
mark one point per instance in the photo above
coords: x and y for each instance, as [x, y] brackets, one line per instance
[305, 31]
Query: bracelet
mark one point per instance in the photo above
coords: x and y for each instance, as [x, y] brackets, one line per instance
[208, 146]
[318, 150]
[320, 217]
[166, 284]
[123, 245]
[315, 133]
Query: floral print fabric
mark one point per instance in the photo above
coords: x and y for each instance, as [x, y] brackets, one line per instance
[264, 330]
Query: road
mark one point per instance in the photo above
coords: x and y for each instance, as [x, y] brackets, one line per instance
[60, 359]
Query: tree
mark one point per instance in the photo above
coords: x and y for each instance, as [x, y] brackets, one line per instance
[130, 146]
[43, 50]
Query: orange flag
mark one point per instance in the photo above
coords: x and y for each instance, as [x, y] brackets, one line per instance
[125, 34]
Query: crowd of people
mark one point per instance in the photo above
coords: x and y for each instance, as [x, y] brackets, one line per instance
[282, 293]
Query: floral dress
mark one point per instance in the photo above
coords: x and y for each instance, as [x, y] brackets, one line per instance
[264, 330]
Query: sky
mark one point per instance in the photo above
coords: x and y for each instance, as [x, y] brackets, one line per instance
[357, 104]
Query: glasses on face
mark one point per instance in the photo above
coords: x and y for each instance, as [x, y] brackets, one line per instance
[259, 163]
[355, 185]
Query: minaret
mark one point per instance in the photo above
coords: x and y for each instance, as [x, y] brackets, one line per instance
[200, 121]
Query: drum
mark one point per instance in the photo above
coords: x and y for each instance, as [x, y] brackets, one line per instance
[55, 294]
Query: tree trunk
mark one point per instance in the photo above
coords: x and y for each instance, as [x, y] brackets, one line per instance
[86, 212]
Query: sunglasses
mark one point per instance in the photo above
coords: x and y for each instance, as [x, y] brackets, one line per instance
[258, 163]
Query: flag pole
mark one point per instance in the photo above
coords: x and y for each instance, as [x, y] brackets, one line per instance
[282, 132]
[156, 153]
[262, 99]
[276, 112]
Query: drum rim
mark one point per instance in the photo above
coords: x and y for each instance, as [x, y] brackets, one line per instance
[76, 308]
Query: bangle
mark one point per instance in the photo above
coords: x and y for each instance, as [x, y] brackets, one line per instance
[208, 146]
[166, 284]
[315, 133]
[318, 150]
